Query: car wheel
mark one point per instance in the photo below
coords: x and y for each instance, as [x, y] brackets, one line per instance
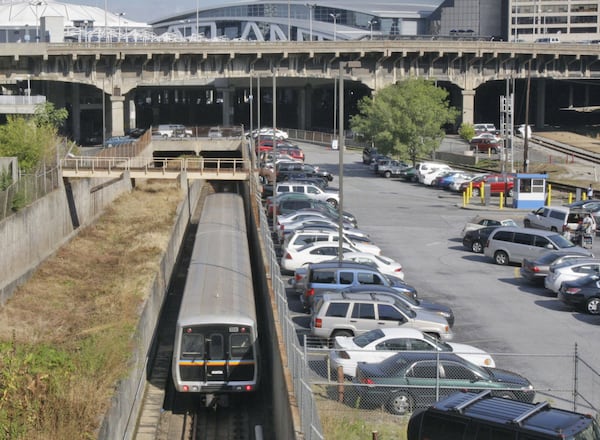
[333, 202]
[553, 229]
[476, 192]
[501, 257]
[400, 403]
[342, 333]
[510, 192]
[477, 247]
[387, 174]
[527, 223]
[593, 306]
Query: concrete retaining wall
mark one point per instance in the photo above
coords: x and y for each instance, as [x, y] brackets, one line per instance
[37, 231]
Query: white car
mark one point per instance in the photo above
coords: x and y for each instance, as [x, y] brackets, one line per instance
[385, 265]
[427, 177]
[317, 252]
[285, 230]
[379, 344]
[302, 237]
[570, 270]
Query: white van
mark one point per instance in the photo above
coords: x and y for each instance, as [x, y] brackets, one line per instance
[172, 130]
[427, 169]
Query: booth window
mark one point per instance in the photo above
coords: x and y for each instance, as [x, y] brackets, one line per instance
[531, 185]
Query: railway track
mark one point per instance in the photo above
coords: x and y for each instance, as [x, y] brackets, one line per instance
[569, 150]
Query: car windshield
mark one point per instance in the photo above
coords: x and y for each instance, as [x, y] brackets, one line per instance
[442, 346]
[560, 241]
[592, 432]
[368, 337]
[405, 309]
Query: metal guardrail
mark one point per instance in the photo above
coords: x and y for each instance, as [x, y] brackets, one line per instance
[156, 168]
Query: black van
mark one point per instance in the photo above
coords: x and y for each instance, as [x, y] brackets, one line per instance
[479, 416]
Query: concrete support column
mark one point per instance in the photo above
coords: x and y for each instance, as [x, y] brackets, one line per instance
[227, 106]
[76, 119]
[301, 109]
[468, 106]
[117, 115]
[540, 110]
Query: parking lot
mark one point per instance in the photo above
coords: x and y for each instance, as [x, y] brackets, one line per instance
[525, 328]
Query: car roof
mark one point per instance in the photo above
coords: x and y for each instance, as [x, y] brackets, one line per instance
[535, 418]
[541, 232]
[339, 296]
[341, 265]
[368, 289]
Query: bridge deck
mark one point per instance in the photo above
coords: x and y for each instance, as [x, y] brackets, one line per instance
[156, 168]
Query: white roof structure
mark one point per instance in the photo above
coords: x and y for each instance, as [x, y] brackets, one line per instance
[20, 13]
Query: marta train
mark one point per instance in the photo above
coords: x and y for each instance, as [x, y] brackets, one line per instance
[216, 350]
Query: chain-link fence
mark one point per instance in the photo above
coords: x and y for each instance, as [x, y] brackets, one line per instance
[27, 189]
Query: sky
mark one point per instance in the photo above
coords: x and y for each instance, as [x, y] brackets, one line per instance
[145, 10]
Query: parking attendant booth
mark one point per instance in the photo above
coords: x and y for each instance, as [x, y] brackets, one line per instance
[529, 191]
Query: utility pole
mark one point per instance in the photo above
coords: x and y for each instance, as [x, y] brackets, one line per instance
[526, 138]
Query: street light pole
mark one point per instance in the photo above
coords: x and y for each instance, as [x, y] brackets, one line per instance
[119, 27]
[310, 20]
[335, 17]
[371, 23]
[342, 147]
[197, 17]
[274, 149]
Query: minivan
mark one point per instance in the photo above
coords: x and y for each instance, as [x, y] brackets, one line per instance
[340, 314]
[481, 416]
[313, 191]
[513, 244]
[555, 218]
[336, 276]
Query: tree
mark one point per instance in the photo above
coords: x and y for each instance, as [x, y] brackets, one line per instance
[466, 131]
[405, 119]
[33, 140]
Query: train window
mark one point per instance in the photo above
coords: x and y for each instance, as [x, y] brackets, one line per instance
[192, 345]
[241, 346]
[215, 350]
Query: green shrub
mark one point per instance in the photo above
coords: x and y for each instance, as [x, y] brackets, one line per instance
[466, 131]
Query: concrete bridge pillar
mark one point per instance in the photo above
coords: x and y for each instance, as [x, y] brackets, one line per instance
[305, 107]
[468, 106]
[117, 115]
[75, 96]
[227, 106]
[540, 111]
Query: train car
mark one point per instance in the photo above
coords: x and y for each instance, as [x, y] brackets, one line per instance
[216, 339]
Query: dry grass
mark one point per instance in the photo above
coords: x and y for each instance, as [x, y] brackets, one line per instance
[66, 334]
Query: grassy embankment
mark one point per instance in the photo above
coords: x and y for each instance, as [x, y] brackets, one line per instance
[66, 335]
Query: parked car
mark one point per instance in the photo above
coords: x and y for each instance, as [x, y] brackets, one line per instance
[570, 270]
[368, 154]
[409, 174]
[338, 314]
[556, 218]
[315, 252]
[383, 264]
[475, 239]
[379, 344]
[582, 294]
[286, 170]
[478, 222]
[322, 208]
[336, 276]
[428, 174]
[408, 380]
[293, 151]
[485, 128]
[482, 416]
[499, 183]
[286, 230]
[535, 270]
[482, 144]
[309, 189]
[303, 237]
[416, 304]
[513, 244]
[388, 168]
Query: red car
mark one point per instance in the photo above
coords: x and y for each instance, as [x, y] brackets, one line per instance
[486, 145]
[499, 183]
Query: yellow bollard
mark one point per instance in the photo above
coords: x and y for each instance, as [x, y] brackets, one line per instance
[465, 198]
[501, 200]
[570, 197]
[549, 200]
[481, 192]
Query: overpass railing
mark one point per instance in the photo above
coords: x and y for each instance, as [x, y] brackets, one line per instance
[85, 166]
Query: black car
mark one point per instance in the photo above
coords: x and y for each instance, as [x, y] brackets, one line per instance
[408, 380]
[583, 294]
[474, 240]
[288, 170]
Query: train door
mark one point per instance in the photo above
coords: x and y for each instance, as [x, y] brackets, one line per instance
[216, 364]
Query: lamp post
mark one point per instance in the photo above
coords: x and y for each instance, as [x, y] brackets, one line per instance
[37, 20]
[198, 19]
[274, 148]
[335, 17]
[371, 23]
[342, 146]
[106, 21]
[310, 7]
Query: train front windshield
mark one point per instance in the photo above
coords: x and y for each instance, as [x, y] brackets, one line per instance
[217, 355]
